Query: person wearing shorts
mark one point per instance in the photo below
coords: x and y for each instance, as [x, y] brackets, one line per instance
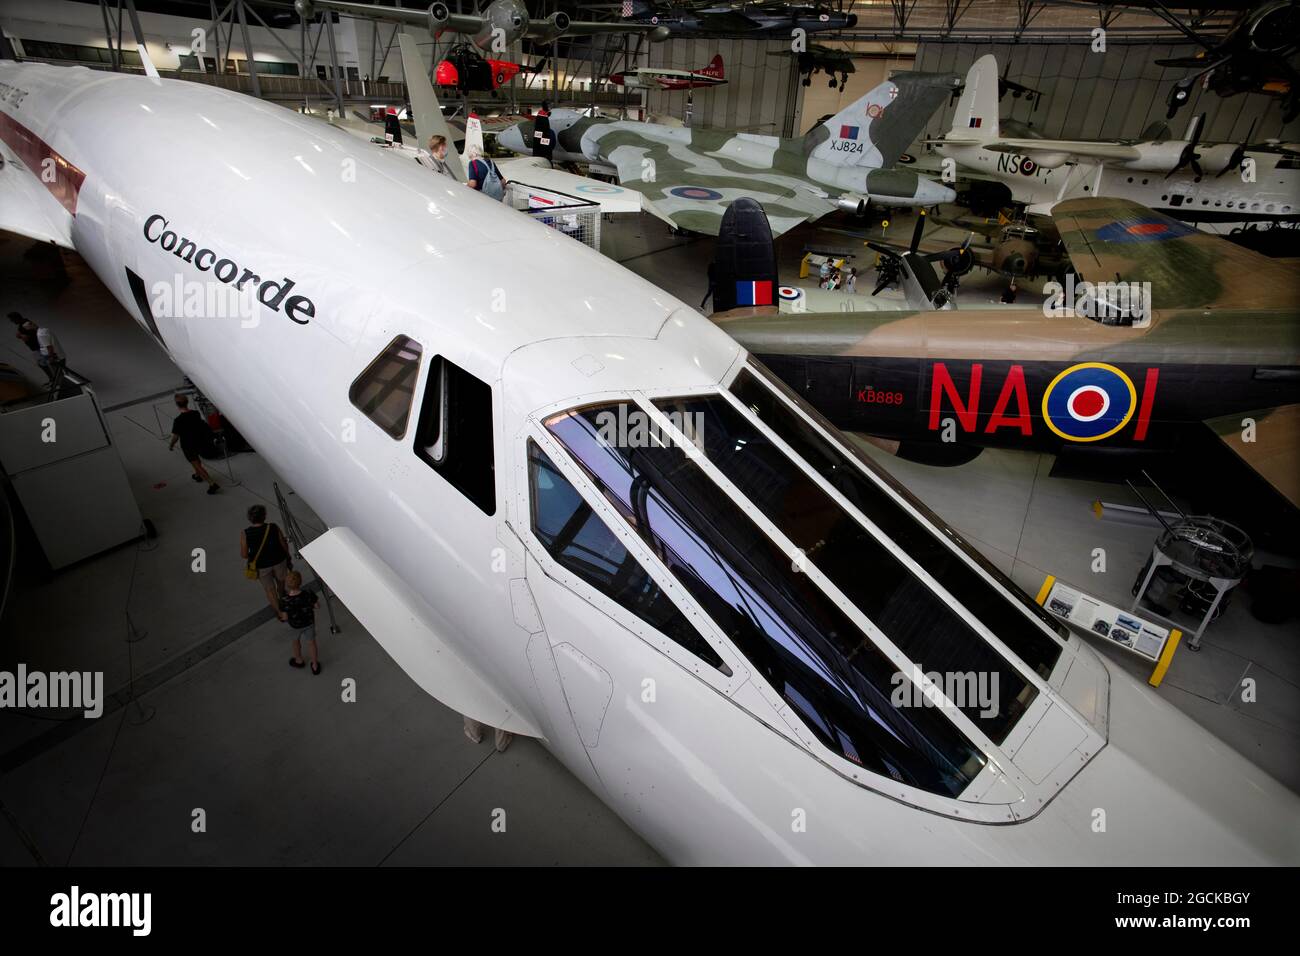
[263, 546]
[300, 611]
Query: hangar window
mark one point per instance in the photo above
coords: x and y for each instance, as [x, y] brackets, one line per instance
[454, 435]
[579, 540]
[832, 676]
[383, 392]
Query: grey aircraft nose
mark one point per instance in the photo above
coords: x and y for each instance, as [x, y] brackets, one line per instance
[930, 193]
[512, 139]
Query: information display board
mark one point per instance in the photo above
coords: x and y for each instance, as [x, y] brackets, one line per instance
[1124, 628]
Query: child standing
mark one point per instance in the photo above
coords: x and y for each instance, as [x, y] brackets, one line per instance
[300, 608]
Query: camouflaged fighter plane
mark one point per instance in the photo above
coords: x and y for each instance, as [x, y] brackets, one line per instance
[690, 176]
[1216, 341]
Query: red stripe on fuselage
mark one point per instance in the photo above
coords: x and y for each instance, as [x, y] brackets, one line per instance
[1148, 399]
[64, 182]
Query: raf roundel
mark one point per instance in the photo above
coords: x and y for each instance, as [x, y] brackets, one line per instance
[695, 192]
[1089, 402]
[789, 292]
[1143, 230]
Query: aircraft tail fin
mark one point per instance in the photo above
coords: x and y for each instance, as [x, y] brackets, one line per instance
[876, 129]
[744, 259]
[426, 112]
[473, 136]
[976, 116]
[714, 68]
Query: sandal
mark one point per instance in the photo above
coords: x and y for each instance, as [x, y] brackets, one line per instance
[295, 662]
[315, 668]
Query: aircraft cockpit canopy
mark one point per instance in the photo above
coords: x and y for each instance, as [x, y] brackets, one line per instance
[835, 587]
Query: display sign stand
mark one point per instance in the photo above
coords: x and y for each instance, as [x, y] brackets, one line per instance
[1125, 629]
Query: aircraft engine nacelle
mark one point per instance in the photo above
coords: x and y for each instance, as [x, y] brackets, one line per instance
[439, 14]
[554, 25]
[1017, 257]
[1157, 157]
[1050, 160]
[304, 8]
[659, 34]
[851, 202]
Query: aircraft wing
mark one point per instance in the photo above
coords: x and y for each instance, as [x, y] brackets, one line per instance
[1075, 149]
[691, 189]
[730, 21]
[1111, 240]
[586, 28]
[1275, 452]
[456, 23]
[27, 208]
[534, 171]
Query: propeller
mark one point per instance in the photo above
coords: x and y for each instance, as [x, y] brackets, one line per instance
[956, 261]
[1239, 154]
[887, 271]
[1189, 156]
[1179, 94]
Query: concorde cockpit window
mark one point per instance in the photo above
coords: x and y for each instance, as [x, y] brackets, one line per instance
[454, 434]
[579, 540]
[920, 623]
[833, 678]
[987, 602]
[384, 391]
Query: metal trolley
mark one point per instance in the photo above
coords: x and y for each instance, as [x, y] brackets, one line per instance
[575, 217]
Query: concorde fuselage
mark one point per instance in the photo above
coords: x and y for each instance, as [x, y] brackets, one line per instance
[710, 766]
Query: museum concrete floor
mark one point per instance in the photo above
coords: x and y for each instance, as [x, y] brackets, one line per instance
[287, 773]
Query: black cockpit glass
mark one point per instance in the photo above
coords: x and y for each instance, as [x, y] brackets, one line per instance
[837, 682]
[988, 603]
[920, 623]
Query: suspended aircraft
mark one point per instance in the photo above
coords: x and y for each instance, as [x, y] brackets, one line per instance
[1254, 57]
[654, 77]
[501, 23]
[743, 19]
[822, 59]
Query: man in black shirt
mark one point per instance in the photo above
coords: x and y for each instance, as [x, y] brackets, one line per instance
[195, 436]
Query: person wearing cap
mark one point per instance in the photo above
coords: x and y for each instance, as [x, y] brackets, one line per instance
[392, 128]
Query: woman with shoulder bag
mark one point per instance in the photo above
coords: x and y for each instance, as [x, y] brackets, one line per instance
[266, 556]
